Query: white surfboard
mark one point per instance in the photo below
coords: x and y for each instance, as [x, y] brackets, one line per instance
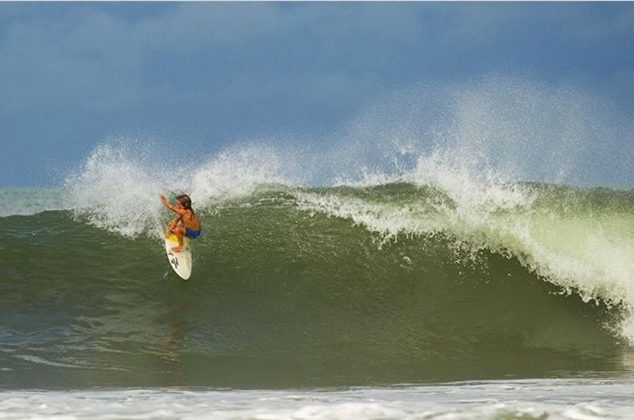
[181, 262]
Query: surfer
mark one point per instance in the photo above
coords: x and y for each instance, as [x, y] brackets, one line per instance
[186, 223]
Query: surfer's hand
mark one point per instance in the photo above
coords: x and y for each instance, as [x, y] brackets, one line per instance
[165, 202]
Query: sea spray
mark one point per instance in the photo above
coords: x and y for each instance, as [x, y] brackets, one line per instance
[117, 189]
[237, 173]
[517, 128]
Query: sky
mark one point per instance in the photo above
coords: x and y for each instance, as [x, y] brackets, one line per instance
[199, 77]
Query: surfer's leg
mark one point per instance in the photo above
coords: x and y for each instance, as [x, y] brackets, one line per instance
[170, 226]
[180, 232]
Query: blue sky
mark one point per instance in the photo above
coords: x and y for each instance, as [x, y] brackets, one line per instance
[205, 75]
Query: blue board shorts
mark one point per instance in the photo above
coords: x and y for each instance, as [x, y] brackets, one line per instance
[192, 233]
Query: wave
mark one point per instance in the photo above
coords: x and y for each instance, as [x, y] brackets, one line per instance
[579, 239]
[382, 284]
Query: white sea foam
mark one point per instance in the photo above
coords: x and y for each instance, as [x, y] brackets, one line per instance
[555, 399]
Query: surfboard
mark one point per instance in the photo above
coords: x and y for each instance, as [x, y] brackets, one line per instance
[181, 262]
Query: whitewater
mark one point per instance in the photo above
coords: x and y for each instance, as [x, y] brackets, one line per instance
[555, 399]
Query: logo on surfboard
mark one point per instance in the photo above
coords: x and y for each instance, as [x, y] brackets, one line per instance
[173, 260]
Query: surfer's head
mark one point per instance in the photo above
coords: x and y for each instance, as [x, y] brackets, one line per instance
[185, 201]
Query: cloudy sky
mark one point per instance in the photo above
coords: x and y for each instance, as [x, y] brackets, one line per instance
[202, 76]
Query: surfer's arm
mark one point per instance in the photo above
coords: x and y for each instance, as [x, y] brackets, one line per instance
[169, 206]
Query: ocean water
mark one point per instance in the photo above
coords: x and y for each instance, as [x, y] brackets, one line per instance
[407, 299]
[373, 278]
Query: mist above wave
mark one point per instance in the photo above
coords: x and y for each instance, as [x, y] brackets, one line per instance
[468, 139]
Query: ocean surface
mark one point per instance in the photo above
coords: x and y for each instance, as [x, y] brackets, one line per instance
[436, 296]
